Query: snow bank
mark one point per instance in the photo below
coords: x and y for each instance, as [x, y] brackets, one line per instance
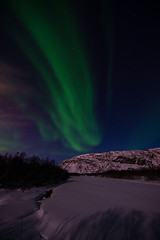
[17, 213]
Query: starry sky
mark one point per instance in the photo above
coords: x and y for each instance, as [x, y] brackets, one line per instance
[78, 76]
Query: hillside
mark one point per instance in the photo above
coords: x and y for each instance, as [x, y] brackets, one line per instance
[114, 160]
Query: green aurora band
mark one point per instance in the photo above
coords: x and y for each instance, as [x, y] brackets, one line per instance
[66, 74]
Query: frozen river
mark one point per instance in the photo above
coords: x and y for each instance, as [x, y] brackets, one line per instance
[83, 208]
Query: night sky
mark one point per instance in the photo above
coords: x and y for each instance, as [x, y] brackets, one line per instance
[78, 76]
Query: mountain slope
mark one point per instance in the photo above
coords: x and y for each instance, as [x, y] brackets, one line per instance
[114, 160]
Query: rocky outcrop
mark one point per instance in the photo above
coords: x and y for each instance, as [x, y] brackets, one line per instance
[114, 160]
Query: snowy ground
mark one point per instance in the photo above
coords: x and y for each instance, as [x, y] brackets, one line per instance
[83, 208]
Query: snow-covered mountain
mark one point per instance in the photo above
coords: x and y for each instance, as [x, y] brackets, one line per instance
[114, 160]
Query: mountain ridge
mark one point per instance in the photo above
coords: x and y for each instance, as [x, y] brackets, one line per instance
[113, 160]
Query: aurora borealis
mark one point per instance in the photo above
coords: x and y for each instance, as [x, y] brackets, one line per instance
[78, 77]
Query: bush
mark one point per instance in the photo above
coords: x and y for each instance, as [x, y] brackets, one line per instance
[20, 171]
[150, 174]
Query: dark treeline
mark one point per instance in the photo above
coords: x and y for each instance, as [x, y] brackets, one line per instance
[149, 174]
[20, 171]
